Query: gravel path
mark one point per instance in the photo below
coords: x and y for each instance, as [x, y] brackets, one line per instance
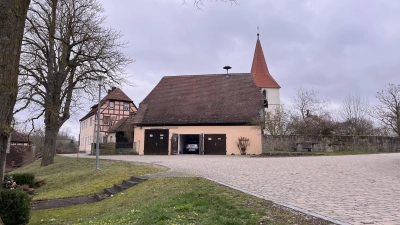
[357, 189]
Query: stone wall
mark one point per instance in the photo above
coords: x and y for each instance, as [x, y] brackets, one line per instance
[330, 143]
[110, 149]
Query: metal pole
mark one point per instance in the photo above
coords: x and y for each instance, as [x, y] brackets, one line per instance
[98, 131]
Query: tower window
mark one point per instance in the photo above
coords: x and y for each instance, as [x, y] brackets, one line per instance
[265, 103]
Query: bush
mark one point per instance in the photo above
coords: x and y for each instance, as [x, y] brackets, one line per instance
[15, 207]
[23, 178]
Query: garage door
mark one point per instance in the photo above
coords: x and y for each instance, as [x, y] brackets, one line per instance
[156, 142]
[214, 144]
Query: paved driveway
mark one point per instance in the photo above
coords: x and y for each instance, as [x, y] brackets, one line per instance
[362, 189]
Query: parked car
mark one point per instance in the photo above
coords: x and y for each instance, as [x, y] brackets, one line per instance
[192, 147]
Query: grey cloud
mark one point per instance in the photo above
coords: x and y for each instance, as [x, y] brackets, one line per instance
[337, 47]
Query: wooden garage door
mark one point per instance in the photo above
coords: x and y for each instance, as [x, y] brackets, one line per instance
[214, 144]
[156, 142]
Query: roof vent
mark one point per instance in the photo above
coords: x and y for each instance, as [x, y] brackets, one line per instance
[227, 68]
[113, 88]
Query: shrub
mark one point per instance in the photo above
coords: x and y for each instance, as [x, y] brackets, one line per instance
[23, 178]
[15, 207]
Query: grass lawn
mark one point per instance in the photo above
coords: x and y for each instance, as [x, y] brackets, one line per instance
[179, 200]
[184, 200]
[69, 177]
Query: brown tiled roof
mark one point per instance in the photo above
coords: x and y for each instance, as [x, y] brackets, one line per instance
[18, 137]
[121, 124]
[259, 69]
[201, 100]
[116, 94]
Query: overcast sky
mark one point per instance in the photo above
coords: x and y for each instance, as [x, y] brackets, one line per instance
[337, 47]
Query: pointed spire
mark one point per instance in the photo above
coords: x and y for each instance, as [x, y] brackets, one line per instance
[259, 69]
[258, 32]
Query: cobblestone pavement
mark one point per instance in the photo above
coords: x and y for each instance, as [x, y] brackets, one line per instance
[356, 189]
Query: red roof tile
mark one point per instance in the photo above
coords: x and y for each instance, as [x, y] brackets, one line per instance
[121, 124]
[116, 94]
[259, 69]
[201, 100]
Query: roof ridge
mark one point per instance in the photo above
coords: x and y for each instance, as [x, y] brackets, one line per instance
[211, 74]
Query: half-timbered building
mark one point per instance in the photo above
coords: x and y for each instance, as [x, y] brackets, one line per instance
[115, 106]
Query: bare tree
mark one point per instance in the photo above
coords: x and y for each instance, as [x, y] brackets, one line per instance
[355, 116]
[306, 103]
[65, 46]
[12, 21]
[277, 121]
[388, 109]
[312, 125]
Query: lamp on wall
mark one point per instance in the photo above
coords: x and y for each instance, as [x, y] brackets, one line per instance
[100, 81]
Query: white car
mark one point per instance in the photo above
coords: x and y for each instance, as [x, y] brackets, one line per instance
[192, 148]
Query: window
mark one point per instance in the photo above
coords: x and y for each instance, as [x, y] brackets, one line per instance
[126, 106]
[111, 105]
[106, 120]
[90, 121]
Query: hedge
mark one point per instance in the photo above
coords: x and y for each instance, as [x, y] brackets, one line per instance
[22, 178]
[15, 207]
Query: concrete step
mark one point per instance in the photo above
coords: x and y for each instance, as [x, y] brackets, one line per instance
[100, 196]
[120, 187]
[138, 179]
[110, 191]
[129, 183]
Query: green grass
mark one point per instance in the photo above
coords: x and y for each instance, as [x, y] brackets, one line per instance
[174, 201]
[69, 177]
[183, 200]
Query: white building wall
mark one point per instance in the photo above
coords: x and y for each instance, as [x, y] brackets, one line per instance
[273, 98]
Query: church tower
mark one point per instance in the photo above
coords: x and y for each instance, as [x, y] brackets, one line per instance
[263, 79]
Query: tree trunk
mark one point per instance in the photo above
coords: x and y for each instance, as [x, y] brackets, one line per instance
[12, 23]
[49, 151]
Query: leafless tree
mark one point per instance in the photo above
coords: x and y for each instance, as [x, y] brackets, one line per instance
[276, 122]
[65, 134]
[65, 46]
[388, 109]
[354, 113]
[312, 125]
[307, 103]
[12, 21]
